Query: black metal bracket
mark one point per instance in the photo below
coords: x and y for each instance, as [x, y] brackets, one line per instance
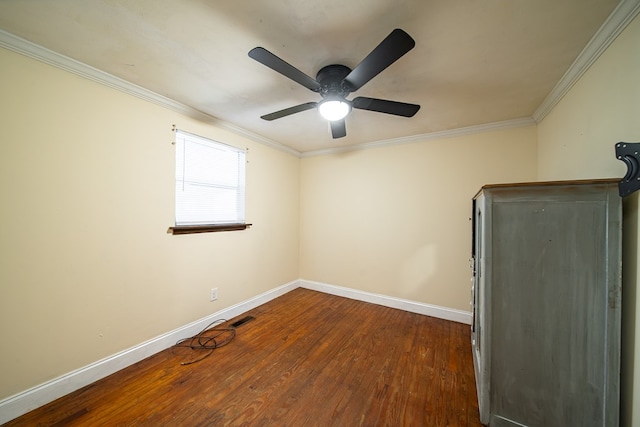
[628, 152]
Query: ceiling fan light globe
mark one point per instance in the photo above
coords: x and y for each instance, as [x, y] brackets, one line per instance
[334, 109]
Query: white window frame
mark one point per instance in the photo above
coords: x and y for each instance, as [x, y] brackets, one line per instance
[210, 181]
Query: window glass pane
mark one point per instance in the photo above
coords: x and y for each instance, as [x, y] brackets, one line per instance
[210, 205]
[210, 179]
[210, 165]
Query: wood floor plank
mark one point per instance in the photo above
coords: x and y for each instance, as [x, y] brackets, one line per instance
[307, 359]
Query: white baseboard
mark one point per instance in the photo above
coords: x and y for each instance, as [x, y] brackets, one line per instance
[21, 403]
[392, 302]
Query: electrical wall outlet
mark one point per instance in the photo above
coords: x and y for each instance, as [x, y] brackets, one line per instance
[214, 294]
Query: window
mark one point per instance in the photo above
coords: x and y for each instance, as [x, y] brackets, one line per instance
[210, 182]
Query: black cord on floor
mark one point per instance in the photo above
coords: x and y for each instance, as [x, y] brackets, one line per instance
[207, 340]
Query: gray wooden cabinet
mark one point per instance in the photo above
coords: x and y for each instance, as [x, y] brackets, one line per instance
[546, 296]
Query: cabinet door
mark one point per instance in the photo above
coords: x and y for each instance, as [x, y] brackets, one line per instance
[549, 313]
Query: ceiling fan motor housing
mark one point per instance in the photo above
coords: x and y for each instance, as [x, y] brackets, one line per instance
[331, 81]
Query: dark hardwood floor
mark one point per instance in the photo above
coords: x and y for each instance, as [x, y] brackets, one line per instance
[307, 359]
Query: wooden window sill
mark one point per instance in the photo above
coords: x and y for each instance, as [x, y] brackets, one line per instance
[192, 229]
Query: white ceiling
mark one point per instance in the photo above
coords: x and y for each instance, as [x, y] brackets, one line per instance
[475, 61]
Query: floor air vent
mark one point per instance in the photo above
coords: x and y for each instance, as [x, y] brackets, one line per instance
[242, 321]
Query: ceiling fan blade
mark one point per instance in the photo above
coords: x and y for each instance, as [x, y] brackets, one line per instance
[386, 53]
[338, 129]
[289, 111]
[267, 58]
[385, 106]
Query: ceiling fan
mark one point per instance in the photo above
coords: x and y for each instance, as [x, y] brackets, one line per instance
[335, 82]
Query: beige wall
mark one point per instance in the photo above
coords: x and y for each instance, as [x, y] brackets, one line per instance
[86, 179]
[395, 220]
[576, 140]
[86, 266]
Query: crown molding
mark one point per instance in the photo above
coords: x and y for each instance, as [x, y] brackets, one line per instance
[39, 53]
[622, 15]
[24, 47]
[487, 127]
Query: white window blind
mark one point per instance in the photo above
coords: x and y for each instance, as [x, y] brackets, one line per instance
[210, 181]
